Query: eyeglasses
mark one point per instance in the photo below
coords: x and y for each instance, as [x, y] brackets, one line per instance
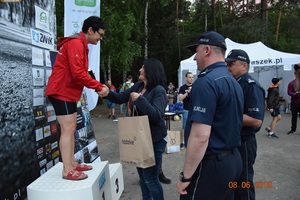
[101, 34]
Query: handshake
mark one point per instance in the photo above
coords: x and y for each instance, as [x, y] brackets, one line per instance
[104, 92]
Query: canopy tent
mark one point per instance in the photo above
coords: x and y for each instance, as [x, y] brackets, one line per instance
[265, 63]
[261, 56]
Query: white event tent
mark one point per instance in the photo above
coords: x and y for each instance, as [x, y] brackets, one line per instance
[265, 63]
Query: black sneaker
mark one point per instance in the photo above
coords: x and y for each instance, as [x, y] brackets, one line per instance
[272, 136]
[290, 132]
[182, 146]
[267, 129]
[109, 116]
[114, 117]
[163, 178]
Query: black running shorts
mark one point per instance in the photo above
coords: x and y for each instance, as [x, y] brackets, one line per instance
[63, 107]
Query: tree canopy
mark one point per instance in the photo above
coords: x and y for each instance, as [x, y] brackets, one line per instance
[171, 25]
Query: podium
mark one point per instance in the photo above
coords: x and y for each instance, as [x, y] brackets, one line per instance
[51, 185]
[116, 180]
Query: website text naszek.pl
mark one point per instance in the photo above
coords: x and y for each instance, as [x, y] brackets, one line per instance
[274, 61]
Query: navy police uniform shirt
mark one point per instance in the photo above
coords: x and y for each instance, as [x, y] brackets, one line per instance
[254, 104]
[217, 100]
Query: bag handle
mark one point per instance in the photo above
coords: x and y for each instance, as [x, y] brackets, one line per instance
[134, 109]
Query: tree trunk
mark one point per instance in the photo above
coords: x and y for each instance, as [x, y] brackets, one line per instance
[221, 13]
[31, 9]
[11, 8]
[264, 18]
[229, 7]
[280, 3]
[108, 68]
[213, 7]
[24, 14]
[178, 35]
[146, 30]
[103, 70]
[124, 76]
[205, 23]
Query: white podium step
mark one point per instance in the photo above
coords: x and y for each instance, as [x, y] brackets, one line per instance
[116, 180]
[51, 186]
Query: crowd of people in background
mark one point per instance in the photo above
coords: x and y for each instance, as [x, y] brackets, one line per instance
[223, 109]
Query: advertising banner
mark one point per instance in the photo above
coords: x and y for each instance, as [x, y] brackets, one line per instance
[29, 131]
[27, 144]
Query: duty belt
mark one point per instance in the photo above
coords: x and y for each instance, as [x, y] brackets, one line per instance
[217, 156]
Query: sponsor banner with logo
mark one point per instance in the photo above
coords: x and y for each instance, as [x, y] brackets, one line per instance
[42, 39]
[76, 11]
[41, 19]
[37, 56]
[27, 118]
[266, 62]
[38, 77]
[30, 132]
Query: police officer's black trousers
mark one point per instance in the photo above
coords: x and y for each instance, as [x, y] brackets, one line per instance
[247, 150]
[215, 179]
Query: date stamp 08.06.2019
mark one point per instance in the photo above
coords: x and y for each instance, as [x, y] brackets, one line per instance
[246, 184]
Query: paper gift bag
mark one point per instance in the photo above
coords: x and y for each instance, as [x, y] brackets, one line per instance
[135, 141]
[173, 144]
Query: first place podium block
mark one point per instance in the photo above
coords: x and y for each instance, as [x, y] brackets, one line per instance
[51, 185]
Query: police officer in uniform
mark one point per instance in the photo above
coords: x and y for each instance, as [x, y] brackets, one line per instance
[254, 103]
[212, 162]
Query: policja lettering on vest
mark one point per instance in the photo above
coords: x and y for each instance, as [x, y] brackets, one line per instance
[199, 109]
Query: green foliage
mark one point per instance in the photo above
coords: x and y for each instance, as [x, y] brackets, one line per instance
[117, 42]
[59, 4]
[289, 33]
[171, 31]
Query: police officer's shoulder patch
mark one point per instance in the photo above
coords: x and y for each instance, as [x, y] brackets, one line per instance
[250, 81]
[204, 72]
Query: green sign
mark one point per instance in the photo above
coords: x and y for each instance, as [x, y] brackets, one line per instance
[87, 3]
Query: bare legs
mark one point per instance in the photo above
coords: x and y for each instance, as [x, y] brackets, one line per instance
[111, 112]
[273, 123]
[67, 141]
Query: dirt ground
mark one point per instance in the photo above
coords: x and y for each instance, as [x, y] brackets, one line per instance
[277, 161]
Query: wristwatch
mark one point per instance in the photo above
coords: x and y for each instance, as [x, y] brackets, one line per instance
[183, 179]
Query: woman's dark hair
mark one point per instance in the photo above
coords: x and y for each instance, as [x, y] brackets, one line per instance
[94, 22]
[154, 73]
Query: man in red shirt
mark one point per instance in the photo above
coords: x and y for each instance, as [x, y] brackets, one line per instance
[65, 85]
